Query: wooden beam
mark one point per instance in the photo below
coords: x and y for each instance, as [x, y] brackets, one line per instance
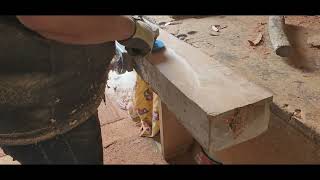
[217, 106]
[175, 139]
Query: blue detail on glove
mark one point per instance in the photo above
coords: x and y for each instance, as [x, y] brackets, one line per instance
[158, 45]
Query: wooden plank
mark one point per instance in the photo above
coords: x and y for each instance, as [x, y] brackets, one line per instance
[202, 93]
[175, 139]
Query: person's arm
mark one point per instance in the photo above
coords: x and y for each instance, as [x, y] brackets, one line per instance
[81, 29]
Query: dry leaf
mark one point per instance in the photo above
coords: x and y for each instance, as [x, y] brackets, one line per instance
[192, 32]
[256, 41]
[175, 23]
[222, 27]
[182, 36]
[166, 24]
[161, 23]
[251, 43]
[214, 27]
[214, 34]
[217, 28]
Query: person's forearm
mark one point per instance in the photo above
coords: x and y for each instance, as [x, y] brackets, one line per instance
[81, 29]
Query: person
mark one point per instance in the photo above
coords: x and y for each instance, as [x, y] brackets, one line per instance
[53, 72]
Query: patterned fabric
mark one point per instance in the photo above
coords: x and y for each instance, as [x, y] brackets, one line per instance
[147, 107]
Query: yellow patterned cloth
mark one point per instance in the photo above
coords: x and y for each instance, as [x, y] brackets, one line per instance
[147, 106]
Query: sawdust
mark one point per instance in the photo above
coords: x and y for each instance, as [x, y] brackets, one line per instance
[305, 21]
[122, 145]
[133, 150]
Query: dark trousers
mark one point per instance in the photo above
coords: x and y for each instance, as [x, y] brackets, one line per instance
[82, 145]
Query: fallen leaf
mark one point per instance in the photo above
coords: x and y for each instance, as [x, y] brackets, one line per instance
[222, 27]
[161, 23]
[214, 27]
[175, 23]
[214, 34]
[182, 36]
[192, 32]
[256, 41]
[166, 24]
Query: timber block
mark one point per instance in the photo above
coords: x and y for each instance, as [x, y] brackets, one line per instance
[175, 139]
[217, 106]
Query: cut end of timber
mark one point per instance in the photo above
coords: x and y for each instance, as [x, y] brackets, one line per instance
[278, 37]
[239, 125]
[284, 51]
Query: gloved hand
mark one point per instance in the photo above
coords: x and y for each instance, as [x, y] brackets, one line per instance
[141, 42]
